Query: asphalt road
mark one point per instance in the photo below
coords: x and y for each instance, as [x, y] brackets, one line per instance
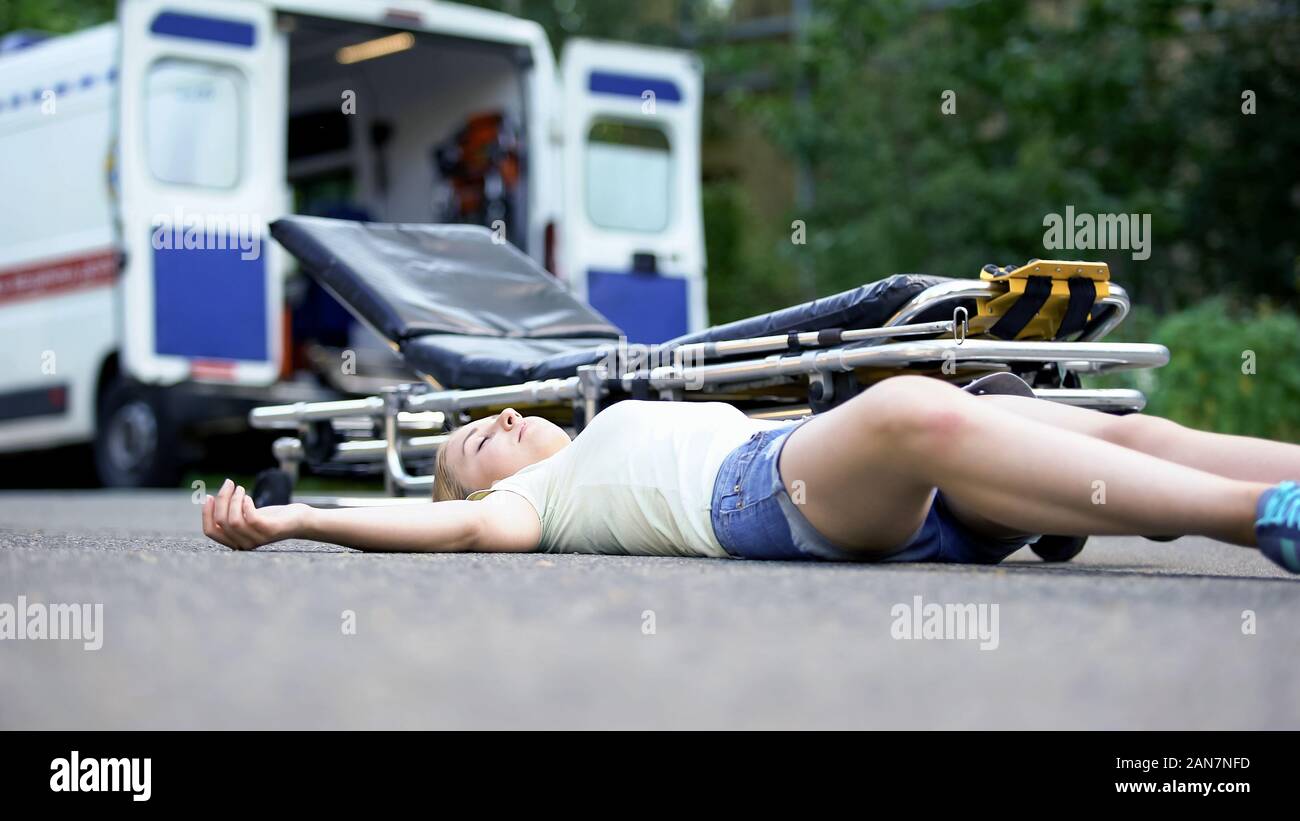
[1133, 634]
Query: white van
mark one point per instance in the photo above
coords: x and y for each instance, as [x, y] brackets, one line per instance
[143, 304]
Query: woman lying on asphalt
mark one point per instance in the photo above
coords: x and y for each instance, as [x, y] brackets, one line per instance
[911, 469]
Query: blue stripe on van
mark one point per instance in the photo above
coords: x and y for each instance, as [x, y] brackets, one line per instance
[210, 303]
[60, 89]
[648, 307]
[630, 85]
[212, 29]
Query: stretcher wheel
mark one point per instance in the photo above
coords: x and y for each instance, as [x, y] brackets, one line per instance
[319, 441]
[272, 487]
[1058, 548]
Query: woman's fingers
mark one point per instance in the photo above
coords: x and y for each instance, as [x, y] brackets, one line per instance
[227, 516]
[235, 515]
[210, 527]
[232, 519]
[241, 529]
[254, 524]
[222, 513]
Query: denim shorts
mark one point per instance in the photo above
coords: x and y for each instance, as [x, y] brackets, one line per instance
[754, 517]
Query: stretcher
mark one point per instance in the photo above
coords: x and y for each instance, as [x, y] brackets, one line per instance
[483, 327]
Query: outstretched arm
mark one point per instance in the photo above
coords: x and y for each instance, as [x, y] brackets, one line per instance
[503, 522]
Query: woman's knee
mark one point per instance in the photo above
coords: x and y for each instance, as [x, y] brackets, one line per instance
[1140, 432]
[915, 412]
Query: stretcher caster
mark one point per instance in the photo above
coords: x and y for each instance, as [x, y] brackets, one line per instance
[1058, 548]
[272, 487]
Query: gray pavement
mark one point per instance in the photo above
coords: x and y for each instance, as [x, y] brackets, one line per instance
[1133, 634]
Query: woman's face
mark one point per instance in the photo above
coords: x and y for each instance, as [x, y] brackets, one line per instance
[495, 447]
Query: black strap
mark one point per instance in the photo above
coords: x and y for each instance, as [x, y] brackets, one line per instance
[1037, 290]
[1083, 293]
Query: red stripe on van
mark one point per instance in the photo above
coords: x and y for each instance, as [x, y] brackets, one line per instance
[212, 370]
[94, 270]
[403, 16]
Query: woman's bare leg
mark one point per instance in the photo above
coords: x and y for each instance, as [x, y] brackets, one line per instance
[1237, 457]
[865, 471]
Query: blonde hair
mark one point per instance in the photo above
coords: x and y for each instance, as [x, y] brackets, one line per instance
[446, 486]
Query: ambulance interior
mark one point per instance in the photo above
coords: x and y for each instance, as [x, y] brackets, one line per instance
[395, 126]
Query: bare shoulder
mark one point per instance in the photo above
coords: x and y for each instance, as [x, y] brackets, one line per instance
[508, 523]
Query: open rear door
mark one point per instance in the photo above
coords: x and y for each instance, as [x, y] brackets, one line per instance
[633, 239]
[201, 154]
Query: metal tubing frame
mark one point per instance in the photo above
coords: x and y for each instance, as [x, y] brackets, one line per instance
[1095, 358]
[408, 407]
[1091, 357]
[397, 482]
[1110, 400]
[806, 339]
[273, 416]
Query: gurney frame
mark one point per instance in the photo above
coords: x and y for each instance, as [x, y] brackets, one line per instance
[415, 419]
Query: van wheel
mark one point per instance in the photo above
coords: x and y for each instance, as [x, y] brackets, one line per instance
[135, 445]
[1058, 548]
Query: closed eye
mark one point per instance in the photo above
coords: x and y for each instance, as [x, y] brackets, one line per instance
[480, 444]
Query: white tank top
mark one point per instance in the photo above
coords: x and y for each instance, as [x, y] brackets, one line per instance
[637, 481]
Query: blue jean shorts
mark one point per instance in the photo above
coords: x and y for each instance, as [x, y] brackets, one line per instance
[754, 517]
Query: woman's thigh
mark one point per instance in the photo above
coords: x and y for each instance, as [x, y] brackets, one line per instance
[850, 477]
[860, 487]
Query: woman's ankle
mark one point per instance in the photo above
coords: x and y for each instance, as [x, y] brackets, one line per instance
[1240, 514]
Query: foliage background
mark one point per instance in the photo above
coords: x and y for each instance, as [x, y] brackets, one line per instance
[1111, 106]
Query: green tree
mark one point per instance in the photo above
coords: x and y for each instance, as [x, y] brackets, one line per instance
[55, 16]
[1107, 105]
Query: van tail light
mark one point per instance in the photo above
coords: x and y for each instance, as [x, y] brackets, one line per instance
[286, 344]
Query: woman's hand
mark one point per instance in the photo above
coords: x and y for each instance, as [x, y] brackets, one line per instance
[231, 519]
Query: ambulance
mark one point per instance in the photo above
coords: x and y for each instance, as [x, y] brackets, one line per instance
[143, 305]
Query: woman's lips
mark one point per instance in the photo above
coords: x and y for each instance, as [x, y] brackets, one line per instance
[523, 426]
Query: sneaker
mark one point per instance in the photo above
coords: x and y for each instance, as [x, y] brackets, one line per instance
[1277, 525]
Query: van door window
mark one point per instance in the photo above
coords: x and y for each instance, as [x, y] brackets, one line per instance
[192, 127]
[629, 177]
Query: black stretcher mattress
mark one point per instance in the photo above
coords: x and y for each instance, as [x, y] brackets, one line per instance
[474, 313]
[407, 280]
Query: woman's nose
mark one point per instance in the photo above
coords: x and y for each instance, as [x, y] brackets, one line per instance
[508, 418]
